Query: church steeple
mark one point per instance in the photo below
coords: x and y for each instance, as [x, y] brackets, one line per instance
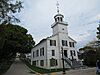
[59, 26]
[59, 17]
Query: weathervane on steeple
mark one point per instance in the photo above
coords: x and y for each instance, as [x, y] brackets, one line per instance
[58, 17]
[57, 7]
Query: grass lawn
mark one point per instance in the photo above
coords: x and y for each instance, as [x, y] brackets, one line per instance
[41, 70]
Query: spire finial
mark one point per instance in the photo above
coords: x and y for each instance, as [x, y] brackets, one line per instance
[57, 7]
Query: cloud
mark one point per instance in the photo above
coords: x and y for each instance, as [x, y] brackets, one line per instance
[82, 36]
[98, 16]
[81, 15]
[85, 38]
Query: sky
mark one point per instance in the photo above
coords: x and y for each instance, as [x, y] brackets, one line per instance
[82, 16]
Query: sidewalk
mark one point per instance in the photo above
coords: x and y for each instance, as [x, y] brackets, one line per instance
[18, 68]
[88, 71]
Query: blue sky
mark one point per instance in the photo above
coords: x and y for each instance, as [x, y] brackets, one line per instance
[82, 16]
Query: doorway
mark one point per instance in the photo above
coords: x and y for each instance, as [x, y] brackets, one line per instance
[65, 53]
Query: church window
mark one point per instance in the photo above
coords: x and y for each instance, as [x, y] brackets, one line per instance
[71, 52]
[52, 42]
[74, 53]
[41, 62]
[53, 52]
[34, 63]
[58, 18]
[71, 44]
[64, 43]
[61, 19]
[37, 53]
[37, 62]
[42, 51]
[55, 19]
[33, 54]
[53, 62]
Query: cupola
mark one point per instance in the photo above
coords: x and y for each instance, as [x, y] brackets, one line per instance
[58, 18]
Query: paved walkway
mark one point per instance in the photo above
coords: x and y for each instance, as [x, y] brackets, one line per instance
[18, 68]
[89, 71]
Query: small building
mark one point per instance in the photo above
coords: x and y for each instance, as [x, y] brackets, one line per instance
[48, 52]
[28, 56]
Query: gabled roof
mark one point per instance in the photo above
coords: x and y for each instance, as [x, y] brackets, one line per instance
[40, 42]
[43, 40]
[72, 39]
[51, 36]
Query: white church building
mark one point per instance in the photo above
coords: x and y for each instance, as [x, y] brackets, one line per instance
[48, 52]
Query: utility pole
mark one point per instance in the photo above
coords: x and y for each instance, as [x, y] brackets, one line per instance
[63, 60]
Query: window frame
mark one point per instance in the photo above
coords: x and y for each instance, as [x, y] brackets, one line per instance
[41, 62]
[33, 54]
[52, 42]
[37, 53]
[64, 43]
[53, 62]
[42, 51]
[53, 52]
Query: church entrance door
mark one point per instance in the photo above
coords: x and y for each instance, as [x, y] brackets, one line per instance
[65, 53]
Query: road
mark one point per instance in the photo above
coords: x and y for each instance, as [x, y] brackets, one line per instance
[89, 71]
[19, 68]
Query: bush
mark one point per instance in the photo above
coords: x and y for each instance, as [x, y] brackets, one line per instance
[4, 66]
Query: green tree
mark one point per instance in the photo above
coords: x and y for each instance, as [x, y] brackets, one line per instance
[14, 38]
[89, 54]
[7, 10]
[89, 57]
[98, 36]
[98, 43]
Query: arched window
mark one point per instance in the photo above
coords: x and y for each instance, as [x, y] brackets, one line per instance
[61, 19]
[58, 18]
[55, 20]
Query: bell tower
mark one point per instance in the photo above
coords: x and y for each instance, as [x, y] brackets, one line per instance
[59, 26]
[58, 18]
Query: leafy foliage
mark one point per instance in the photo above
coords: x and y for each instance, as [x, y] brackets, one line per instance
[14, 38]
[90, 53]
[7, 10]
[90, 58]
